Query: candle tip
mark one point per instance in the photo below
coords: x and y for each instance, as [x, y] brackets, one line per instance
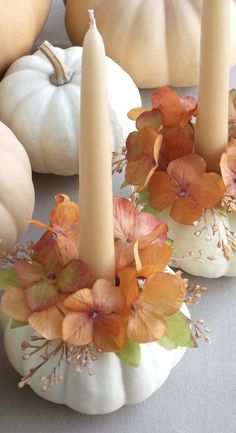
[92, 20]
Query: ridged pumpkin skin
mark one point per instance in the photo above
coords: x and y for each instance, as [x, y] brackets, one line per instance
[113, 385]
[45, 117]
[155, 41]
[16, 189]
[21, 22]
[199, 255]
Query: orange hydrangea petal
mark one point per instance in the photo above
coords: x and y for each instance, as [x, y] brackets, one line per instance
[162, 190]
[78, 329]
[81, 301]
[69, 247]
[140, 171]
[163, 293]
[14, 305]
[177, 141]
[104, 338]
[187, 169]
[151, 118]
[48, 323]
[65, 213]
[128, 284]
[185, 210]
[145, 326]
[169, 104]
[209, 191]
[156, 255]
[133, 146]
[107, 297]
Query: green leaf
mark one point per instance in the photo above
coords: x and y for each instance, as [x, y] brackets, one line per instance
[178, 334]
[151, 210]
[131, 353]
[8, 277]
[170, 242]
[16, 324]
[144, 196]
[124, 184]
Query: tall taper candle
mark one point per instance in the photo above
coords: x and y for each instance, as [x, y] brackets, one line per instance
[212, 118]
[95, 160]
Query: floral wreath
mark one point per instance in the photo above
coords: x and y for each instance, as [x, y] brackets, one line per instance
[76, 317]
[166, 173]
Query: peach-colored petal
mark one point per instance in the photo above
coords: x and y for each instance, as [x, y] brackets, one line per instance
[104, 339]
[78, 329]
[41, 225]
[136, 112]
[163, 190]
[145, 326]
[185, 210]
[107, 297]
[146, 223]
[81, 301]
[65, 213]
[163, 293]
[69, 247]
[48, 323]
[228, 175]
[123, 218]
[209, 191]
[128, 284]
[156, 255]
[158, 235]
[14, 305]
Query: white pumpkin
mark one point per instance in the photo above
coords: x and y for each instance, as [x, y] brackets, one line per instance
[16, 189]
[113, 385]
[41, 104]
[196, 251]
[156, 41]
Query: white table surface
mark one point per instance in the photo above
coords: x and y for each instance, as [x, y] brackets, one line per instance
[200, 394]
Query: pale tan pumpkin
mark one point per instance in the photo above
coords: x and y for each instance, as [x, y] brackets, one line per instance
[20, 24]
[155, 41]
[16, 189]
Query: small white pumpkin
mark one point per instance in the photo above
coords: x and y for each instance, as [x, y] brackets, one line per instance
[40, 102]
[16, 189]
[195, 247]
[156, 41]
[113, 384]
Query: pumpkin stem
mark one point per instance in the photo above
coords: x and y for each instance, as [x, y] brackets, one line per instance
[62, 74]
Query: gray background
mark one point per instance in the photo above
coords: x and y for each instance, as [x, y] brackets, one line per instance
[200, 394]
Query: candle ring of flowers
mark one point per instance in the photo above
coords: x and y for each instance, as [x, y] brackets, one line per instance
[164, 171]
[75, 317]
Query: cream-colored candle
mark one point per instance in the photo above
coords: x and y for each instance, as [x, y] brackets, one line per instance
[212, 119]
[95, 160]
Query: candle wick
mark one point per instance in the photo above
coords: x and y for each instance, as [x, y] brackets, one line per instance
[92, 20]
